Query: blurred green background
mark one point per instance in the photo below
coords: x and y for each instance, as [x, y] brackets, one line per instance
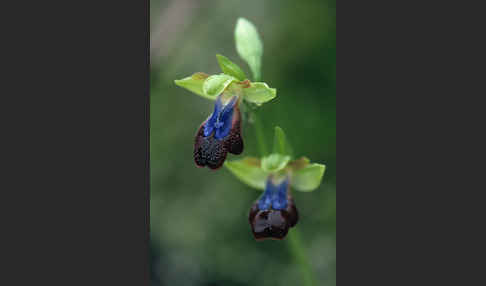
[199, 229]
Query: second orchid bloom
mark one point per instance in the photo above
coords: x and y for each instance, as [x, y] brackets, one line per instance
[274, 212]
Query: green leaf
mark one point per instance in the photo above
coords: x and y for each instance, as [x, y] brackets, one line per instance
[308, 178]
[280, 143]
[259, 93]
[194, 84]
[274, 162]
[248, 171]
[230, 68]
[216, 84]
[249, 46]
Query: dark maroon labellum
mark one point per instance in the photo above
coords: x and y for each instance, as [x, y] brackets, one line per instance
[211, 151]
[273, 224]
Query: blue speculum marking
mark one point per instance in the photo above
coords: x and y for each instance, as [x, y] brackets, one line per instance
[221, 120]
[274, 196]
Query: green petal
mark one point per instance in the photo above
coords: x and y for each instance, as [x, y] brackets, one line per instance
[274, 162]
[259, 93]
[248, 171]
[308, 178]
[216, 84]
[230, 68]
[194, 84]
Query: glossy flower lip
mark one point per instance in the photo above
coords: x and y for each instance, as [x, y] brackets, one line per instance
[274, 212]
[219, 134]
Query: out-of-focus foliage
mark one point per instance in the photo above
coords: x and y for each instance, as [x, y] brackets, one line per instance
[199, 226]
[249, 46]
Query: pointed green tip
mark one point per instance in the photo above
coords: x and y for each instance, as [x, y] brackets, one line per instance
[241, 19]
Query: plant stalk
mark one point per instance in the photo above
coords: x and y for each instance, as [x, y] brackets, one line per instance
[260, 136]
[298, 251]
[293, 237]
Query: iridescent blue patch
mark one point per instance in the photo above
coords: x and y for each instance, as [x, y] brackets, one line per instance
[274, 196]
[221, 120]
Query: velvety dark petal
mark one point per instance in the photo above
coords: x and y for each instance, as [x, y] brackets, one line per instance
[291, 212]
[269, 224]
[219, 134]
[253, 211]
[235, 140]
[209, 151]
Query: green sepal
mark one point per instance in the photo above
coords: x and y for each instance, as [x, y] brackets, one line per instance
[280, 143]
[308, 178]
[249, 171]
[259, 93]
[194, 83]
[274, 162]
[230, 68]
[216, 84]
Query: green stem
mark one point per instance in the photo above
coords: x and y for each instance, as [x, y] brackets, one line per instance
[262, 147]
[260, 136]
[293, 237]
[298, 251]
